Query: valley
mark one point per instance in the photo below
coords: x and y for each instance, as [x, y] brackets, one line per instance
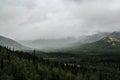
[59, 39]
[99, 60]
[16, 65]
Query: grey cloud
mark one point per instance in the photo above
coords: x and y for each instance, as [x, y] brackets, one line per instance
[32, 19]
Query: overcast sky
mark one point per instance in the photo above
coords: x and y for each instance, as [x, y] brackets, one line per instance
[33, 19]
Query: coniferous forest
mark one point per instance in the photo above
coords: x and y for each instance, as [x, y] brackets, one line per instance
[18, 65]
[59, 39]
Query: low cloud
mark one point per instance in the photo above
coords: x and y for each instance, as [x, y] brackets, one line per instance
[34, 19]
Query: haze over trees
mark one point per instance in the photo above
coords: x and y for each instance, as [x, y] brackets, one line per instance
[60, 40]
[17, 65]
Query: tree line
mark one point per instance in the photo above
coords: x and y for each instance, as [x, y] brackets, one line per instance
[18, 65]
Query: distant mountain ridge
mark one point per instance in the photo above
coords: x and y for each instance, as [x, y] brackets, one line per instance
[12, 44]
[113, 38]
[93, 38]
[97, 43]
[90, 38]
[115, 35]
[48, 44]
[53, 44]
[109, 44]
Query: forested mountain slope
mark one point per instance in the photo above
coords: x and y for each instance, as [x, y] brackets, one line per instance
[12, 44]
[109, 44]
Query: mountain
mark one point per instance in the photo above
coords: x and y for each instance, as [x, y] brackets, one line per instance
[115, 35]
[90, 38]
[48, 44]
[12, 44]
[109, 44]
[53, 44]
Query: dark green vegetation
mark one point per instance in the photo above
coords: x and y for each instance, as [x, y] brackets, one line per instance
[15, 65]
[99, 60]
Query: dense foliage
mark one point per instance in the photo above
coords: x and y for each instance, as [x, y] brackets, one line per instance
[17, 65]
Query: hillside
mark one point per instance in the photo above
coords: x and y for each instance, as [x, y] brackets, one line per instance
[17, 65]
[109, 44]
[93, 37]
[12, 44]
[54, 44]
